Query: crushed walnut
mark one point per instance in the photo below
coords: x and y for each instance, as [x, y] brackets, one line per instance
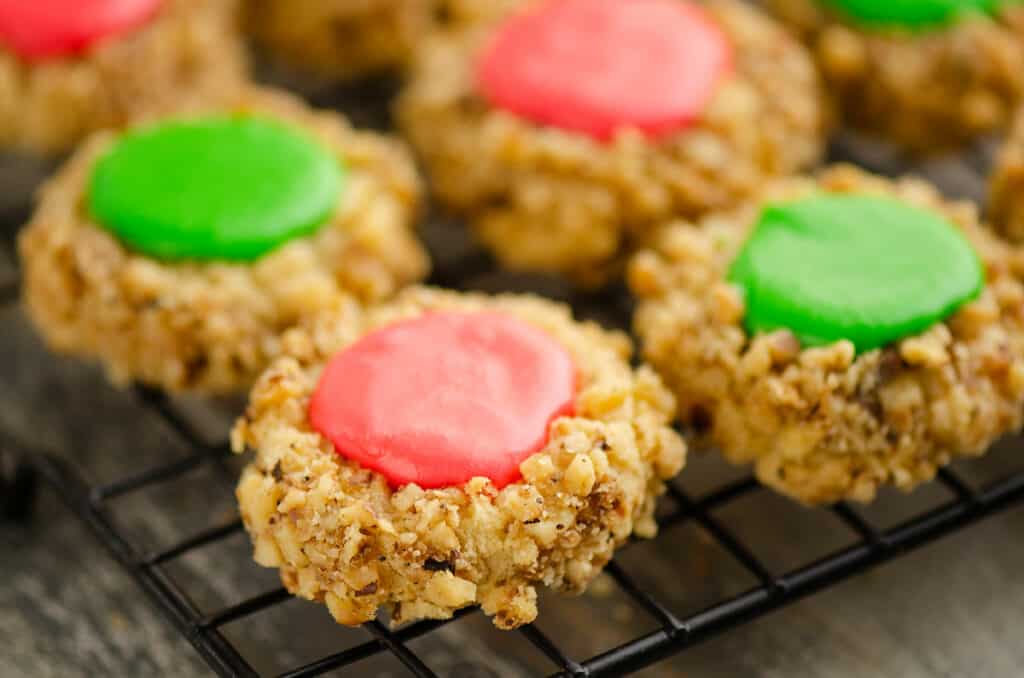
[339, 534]
[213, 327]
[926, 90]
[545, 199]
[824, 424]
[1007, 203]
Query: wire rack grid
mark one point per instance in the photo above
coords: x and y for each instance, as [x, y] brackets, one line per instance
[671, 634]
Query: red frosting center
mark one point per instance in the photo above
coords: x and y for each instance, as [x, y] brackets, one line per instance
[594, 66]
[445, 397]
[45, 29]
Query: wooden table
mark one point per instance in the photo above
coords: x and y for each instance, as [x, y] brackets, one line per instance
[951, 609]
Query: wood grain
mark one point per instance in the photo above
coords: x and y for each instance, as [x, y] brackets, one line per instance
[951, 609]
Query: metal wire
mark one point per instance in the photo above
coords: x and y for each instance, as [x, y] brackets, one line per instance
[672, 635]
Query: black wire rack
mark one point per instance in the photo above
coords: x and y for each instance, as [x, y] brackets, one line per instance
[672, 633]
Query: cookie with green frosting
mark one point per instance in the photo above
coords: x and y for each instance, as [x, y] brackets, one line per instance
[177, 252]
[928, 76]
[840, 333]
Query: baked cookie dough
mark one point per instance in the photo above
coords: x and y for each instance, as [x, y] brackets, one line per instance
[178, 252]
[929, 75]
[823, 419]
[71, 67]
[454, 12]
[1007, 200]
[359, 539]
[564, 165]
[339, 39]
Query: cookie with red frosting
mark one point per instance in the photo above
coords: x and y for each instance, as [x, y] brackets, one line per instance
[176, 252]
[566, 129]
[444, 450]
[925, 75]
[71, 67]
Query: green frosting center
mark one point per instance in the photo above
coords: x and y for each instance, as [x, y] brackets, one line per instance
[841, 266]
[224, 188]
[912, 13]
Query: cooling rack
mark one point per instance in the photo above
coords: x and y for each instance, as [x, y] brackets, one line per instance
[25, 467]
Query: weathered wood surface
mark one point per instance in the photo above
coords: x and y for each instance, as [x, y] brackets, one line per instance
[66, 610]
[952, 609]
